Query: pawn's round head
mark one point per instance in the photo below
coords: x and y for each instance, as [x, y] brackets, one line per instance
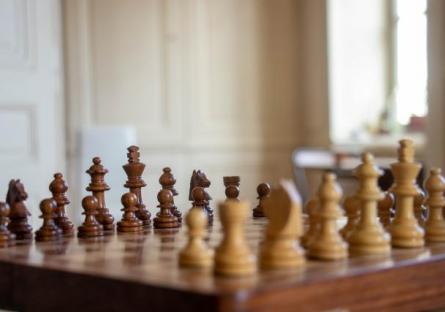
[129, 199]
[90, 203]
[4, 210]
[47, 206]
[165, 196]
[263, 189]
[97, 160]
[367, 158]
[196, 218]
[198, 194]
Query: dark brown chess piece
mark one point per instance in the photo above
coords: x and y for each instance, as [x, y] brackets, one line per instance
[165, 218]
[98, 188]
[90, 227]
[168, 181]
[49, 230]
[134, 170]
[385, 208]
[419, 207]
[200, 201]
[129, 222]
[263, 191]
[232, 187]
[199, 178]
[6, 237]
[59, 188]
[18, 213]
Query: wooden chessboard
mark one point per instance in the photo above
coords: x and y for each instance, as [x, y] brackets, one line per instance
[132, 272]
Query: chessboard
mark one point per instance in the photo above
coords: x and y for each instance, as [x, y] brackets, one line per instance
[140, 271]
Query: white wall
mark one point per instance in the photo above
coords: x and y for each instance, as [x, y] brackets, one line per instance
[207, 84]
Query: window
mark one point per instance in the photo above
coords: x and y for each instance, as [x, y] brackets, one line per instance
[377, 69]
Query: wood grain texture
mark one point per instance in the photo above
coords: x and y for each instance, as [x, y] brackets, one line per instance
[140, 271]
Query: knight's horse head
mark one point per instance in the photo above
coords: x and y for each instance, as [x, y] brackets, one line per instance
[16, 192]
[198, 178]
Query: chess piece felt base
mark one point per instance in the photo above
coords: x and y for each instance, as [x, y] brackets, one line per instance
[7, 240]
[65, 225]
[47, 234]
[369, 241]
[21, 229]
[130, 226]
[276, 255]
[90, 231]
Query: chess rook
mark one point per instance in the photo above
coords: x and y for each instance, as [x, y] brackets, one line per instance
[49, 230]
[129, 222]
[263, 191]
[435, 224]
[233, 256]
[232, 184]
[404, 229]
[164, 218]
[18, 213]
[90, 227]
[98, 187]
[328, 243]
[134, 170]
[280, 249]
[58, 189]
[168, 181]
[368, 237]
[196, 254]
[6, 237]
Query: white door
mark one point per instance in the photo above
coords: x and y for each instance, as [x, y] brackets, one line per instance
[31, 97]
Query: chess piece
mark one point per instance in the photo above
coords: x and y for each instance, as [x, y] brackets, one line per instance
[90, 227]
[404, 229]
[58, 188]
[280, 248]
[200, 179]
[435, 224]
[129, 222]
[419, 207]
[165, 218]
[168, 181]
[327, 243]
[368, 237]
[311, 209]
[49, 230]
[384, 207]
[263, 191]
[6, 237]
[98, 188]
[196, 254]
[233, 256]
[134, 169]
[18, 213]
[232, 187]
[352, 210]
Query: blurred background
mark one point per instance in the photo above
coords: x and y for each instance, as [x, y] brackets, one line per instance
[263, 89]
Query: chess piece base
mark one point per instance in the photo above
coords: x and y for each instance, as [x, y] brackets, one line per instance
[196, 259]
[335, 250]
[7, 240]
[275, 256]
[369, 241]
[66, 226]
[435, 232]
[162, 222]
[258, 213]
[130, 226]
[407, 235]
[90, 231]
[48, 235]
[21, 229]
[240, 265]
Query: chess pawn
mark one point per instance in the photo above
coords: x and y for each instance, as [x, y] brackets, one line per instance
[196, 254]
[6, 237]
[98, 188]
[435, 224]
[18, 213]
[90, 227]
[129, 222]
[58, 188]
[311, 209]
[49, 230]
[232, 187]
[199, 200]
[368, 237]
[165, 219]
[168, 181]
[352, 210]
[263, 191]
[404, 229]
[233, 256]
[419, 208]
[384, 207]
[328, 244]
[134, 170]
[280, 248]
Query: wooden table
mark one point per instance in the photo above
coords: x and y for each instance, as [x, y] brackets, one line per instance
[139, 272]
